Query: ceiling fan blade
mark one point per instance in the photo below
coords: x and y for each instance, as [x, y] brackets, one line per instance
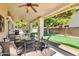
[33, 9]
[35, 5]
[23, 5]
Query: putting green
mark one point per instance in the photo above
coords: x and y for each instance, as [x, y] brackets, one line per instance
[73, 42]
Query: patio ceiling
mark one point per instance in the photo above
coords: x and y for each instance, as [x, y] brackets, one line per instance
[43, 9]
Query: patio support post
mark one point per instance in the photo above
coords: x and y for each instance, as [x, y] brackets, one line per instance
[41, 27]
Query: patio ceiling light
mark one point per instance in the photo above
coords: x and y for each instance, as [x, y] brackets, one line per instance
[29, 8]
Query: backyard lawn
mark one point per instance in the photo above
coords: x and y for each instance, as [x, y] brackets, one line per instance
[67, 40]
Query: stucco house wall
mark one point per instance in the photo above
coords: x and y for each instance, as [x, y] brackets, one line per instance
[3, 12]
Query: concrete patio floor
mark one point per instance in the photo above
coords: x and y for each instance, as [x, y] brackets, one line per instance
[59, 52]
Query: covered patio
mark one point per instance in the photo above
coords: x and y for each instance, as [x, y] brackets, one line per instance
[30, 41]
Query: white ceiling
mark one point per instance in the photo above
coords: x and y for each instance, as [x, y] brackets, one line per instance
[43, 9]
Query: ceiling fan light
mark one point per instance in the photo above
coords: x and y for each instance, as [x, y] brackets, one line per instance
[29, 8]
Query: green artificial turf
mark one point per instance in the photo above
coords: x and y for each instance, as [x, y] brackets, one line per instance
[73, 42]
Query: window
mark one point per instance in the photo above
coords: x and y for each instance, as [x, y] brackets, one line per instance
[1, 23]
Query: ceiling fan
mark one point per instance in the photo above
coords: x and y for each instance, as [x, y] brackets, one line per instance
[30, 6]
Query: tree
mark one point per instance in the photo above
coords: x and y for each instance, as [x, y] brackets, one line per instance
[20, 24]
[60, 19]
[35, 25]
[56, 21]
[48, 22]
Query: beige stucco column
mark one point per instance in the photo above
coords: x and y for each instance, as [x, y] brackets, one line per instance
[41, 27]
